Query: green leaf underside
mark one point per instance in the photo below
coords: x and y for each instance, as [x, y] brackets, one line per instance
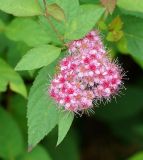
[134, 37]
[84, 21]
[9, 76]
[27, 30]
[64, 124]
[38, 57]
[39, 153]
[21, 7]
[10, 137]
[42, 112]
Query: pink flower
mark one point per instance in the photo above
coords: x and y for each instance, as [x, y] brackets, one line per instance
[86, 76]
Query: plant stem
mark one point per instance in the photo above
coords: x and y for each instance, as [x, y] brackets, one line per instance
[60, 37]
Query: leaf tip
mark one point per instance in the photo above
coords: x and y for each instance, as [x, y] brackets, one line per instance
[16, 68]
[58, 143]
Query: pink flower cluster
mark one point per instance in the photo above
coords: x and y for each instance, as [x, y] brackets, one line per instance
[86, 75]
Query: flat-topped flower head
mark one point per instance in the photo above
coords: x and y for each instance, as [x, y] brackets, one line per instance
[85, 76]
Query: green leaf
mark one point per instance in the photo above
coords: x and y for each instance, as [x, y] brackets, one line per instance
[15, 52]
[64, 124]
[89, 1]
[122, 45]
[70, 7]
[28, 31]
[50, 32]
[9, 76]
[38, 57]
[134, 36]
[21, 7]
[42, 112]
[84, 21]
[56, 11]
[10, 137]
[39, 153]
[137, 156]
[130, 5]
[4, 43]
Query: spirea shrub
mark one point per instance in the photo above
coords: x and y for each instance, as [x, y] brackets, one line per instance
[36, 37]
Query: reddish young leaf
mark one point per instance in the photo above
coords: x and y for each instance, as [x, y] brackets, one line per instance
[109, 5]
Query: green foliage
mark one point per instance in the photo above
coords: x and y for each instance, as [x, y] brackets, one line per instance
[83, 22]
[34, 43]
[18, 111]
[42, 112]
[43, 55]
[70, 8]
[134, 36]
[9, 76]
[20, 7]
[27, 30]
[16, 50]
[50, 32]
[55, 11]
[10, 136]
[2, 25]
[129, 5]
[64, 124]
